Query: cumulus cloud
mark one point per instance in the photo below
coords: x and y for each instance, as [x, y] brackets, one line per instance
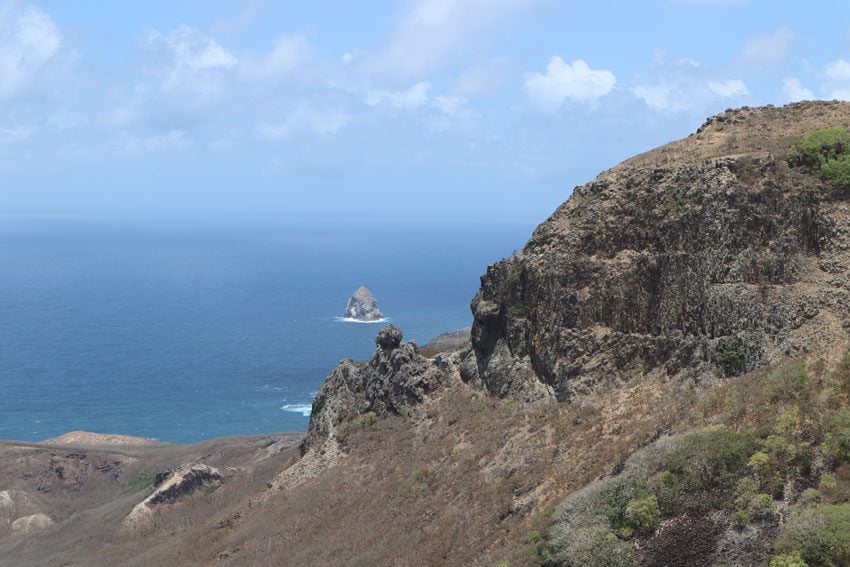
[407, 99]
[836, 83]
[29, 41]
[304, 118]
[431, 34]
[794, 91]
[575, 81]
[680, 84]
[728, 88]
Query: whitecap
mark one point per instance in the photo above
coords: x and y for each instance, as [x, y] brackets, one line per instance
[352, 320]
[303, 409]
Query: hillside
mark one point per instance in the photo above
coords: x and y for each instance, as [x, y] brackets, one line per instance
[658, 378]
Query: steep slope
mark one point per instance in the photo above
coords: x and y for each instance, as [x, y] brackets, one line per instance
[704, 258]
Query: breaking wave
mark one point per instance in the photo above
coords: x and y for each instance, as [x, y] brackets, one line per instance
[303, 409]
[351, 320]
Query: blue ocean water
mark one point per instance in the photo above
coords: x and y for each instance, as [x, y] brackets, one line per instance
[187, 331]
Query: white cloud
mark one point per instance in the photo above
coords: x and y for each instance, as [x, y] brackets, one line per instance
[408, 99]
[729, 88]
[838, 70]
[29, 40]
[304, 119]
[794, 91]
[836, 84]
[288, 54]
[433, 33]
[352, 55]
[192, 59]
[675, 85]
[767, 49]
[451, 105]
[655, 96]
[575, 81]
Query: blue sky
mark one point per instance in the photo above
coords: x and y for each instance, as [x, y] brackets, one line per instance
[485, 110]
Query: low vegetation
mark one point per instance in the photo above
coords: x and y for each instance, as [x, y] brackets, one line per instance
[785, 444]
[827, 153]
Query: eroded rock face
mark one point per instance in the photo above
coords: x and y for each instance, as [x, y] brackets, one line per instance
[697, 269]
[395, 379]
[180, 483]
[363, 306]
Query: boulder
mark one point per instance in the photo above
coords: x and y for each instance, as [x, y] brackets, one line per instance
[32, 523]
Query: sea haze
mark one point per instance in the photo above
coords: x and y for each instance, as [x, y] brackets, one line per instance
[187, 332]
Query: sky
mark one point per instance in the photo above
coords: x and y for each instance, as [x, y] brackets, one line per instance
[476, 110]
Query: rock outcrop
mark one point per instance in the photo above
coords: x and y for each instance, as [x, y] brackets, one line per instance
[176, 485]
[32, 523]
[686, 261]
[363, 306]
[393, 381]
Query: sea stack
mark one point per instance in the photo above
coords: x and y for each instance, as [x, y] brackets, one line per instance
[363, 306]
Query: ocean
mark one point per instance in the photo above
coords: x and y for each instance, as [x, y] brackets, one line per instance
[187, 331]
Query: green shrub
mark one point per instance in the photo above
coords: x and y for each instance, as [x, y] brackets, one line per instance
[712, 461]
[787, 560]
[810, 497]
[614, 497]
[642, 514]
[820, 535]
[670, 491]
[837, 172]
[789, 382]
[820, 147]
[752, 507]
[733, 356]
[589, 545]
[837, 435]
[140, 481]
[827, 153]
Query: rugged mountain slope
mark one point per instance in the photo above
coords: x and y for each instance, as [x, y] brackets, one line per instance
[706, 257]
[658, 378]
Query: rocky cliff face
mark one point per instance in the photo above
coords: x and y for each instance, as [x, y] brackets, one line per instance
[394, 380]
[704, 258]
[363, 306]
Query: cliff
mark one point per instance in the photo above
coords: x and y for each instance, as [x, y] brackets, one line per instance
[705, 258]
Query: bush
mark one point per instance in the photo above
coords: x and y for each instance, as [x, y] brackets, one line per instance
[789, 382]
[590, 545]
[733, 356]
[669, 490]
[826, 152]
[820, 535]
[712, 461]
[837, 435]
[642, 514]
[787, 560]
[820, 147]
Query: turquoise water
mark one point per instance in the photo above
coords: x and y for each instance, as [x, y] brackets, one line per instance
[187, 332]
